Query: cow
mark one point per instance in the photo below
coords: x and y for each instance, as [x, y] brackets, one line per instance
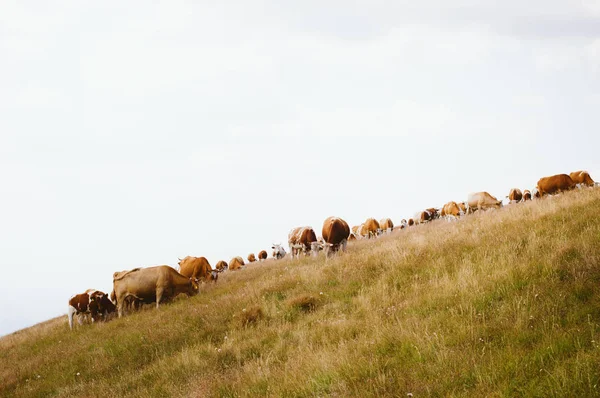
[92, 302]
[451, 210]
[369, 229]
[582, 177]
[426, 215]
[221, 266]
[554, 184]
[515, 195]
[335, 235]
[482, 201]
[352, 236]
[411, 222]
[403, 223]
[303, 240]
[463, 207]
[262, 255]
[386, 225]
[251, 258]
[197, 268]
[526, 195]
[278, 251]
[236, 263]
[153, 284]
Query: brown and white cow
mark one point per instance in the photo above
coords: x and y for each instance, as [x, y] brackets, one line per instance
[197, 268]
[352, 236]
[236, 263]
[251, 258]
[151, 285]
[426, 215]
[403, 223]
[482, 201]
[451, 210]
[526, 195]
[92, 302]
[278, 251]
[335, 235]
[386, 225]
[515, 195]
[463, 207]
[554, 184]
[303, 240]
[221, 266]
[582, 177]
[262, 255]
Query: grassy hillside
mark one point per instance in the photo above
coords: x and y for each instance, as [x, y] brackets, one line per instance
[504, 303]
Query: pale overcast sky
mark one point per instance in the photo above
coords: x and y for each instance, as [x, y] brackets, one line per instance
[131, 133]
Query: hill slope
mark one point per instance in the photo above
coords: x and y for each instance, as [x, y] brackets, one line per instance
[500, 303]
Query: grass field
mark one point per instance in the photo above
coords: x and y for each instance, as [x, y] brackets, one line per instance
[503, 303]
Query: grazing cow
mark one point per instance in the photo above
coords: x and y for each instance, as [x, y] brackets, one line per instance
[482, 201]
[411, 222]
[251, 258]
[451, 210]
[197, 268]
[386, 225]
[352, 236]
[152, 284]
[526, 196]
[92, 302]
[554, 184]
[278, 251]
[262, 255]
[369, 229]
[403, 223]
[463, 207]
[303, 240]
[582, 177]
[426, 215]
[221, 266]
[335, 235]
[236, 263]
[515, 195]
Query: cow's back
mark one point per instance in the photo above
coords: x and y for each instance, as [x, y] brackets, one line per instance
[335, 230]
[554, 184]
[582, 177]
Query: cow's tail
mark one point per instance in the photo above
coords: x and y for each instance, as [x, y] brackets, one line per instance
[71, 311]
[113, 297]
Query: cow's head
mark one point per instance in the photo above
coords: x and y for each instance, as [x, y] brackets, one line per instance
[315, 247]
[278, 251]
[194, 287]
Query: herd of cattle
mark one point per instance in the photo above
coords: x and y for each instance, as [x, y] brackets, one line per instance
[162, 283]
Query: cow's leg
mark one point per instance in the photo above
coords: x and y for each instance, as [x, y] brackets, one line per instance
[70, 314]
[120, 303]
[159, 294]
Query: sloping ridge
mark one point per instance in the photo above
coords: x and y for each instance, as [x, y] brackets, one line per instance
[499, 303]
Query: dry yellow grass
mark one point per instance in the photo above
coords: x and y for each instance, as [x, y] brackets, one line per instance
[503, 303]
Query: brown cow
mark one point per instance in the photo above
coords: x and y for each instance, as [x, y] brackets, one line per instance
[554, 184]
[262, 255]
[370, 228]
[251, 258]
[335, 235]
[221, 266]
[352, 236]
[526, 195]
[515, 195]
[92, 302]
[451, 210]
[197, 268]
[236, 263]
[386, 225]
[482, 201]
[411, 222]
[582, 177]
[152, 284]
